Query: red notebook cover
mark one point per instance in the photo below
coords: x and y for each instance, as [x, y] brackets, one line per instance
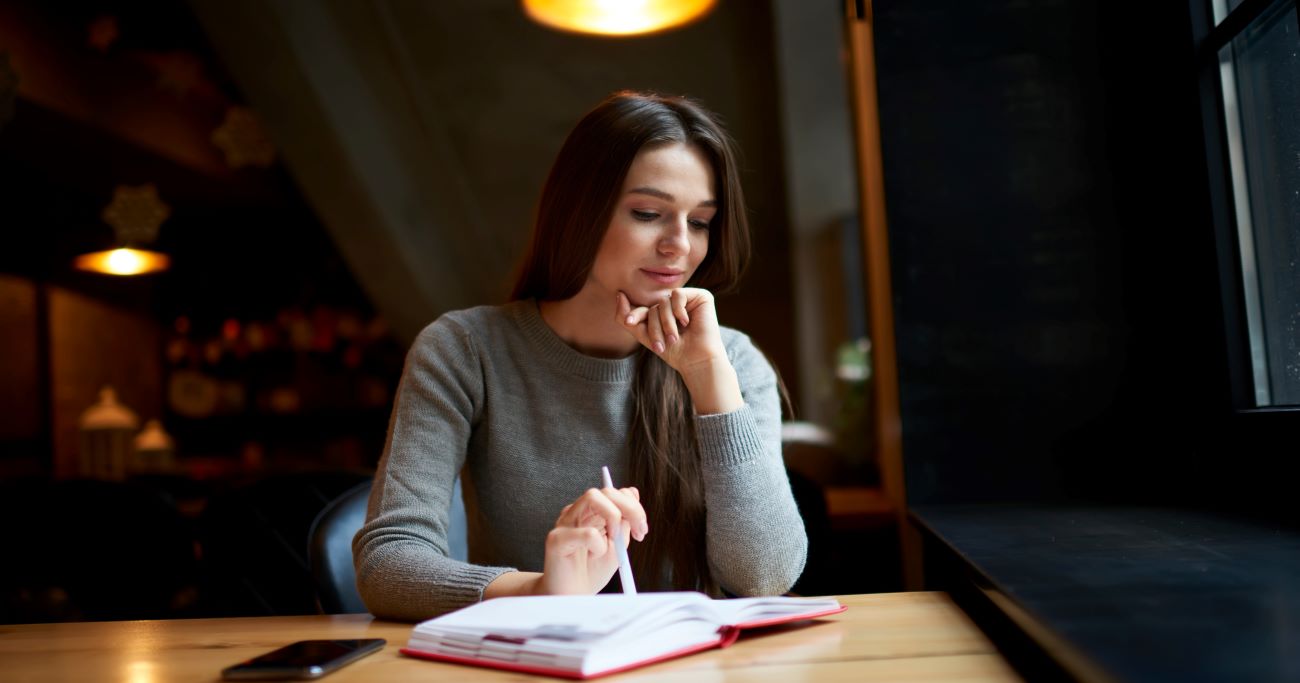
[726, 636]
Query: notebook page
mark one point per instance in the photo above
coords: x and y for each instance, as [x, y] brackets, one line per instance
[588, 657]
[742, 610]
[620, 652]
[561, 617]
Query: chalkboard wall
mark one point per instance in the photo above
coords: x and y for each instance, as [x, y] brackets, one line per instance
[1054, 285]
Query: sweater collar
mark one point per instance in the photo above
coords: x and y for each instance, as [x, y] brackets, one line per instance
[559, 354]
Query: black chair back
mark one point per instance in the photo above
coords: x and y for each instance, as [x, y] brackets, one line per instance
[330, 547]
[255, 540]
[330, 551]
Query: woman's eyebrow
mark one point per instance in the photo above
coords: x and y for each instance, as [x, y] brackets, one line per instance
[655, 192]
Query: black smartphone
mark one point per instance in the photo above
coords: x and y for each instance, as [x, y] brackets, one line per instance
[303, 659]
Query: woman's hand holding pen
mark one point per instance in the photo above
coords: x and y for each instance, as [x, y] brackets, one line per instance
[580, 553]
[682, 329]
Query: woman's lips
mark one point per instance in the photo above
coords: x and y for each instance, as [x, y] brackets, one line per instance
[663, 277]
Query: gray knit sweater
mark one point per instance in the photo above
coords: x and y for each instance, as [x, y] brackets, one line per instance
[495, 391]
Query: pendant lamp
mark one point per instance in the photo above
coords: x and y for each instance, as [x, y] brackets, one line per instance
[123, 261]
[135, 214]
[616, 17]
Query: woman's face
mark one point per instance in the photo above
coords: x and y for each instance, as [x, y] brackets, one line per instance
[659, 232]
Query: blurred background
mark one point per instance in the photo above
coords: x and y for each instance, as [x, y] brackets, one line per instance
[323, 179]
[1086, 292]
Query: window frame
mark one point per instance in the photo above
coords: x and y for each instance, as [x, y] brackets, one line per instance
[1209, 39]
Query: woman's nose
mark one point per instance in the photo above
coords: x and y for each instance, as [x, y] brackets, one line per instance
[674, 240]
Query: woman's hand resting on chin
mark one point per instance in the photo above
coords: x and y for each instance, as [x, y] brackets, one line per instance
[682, 329]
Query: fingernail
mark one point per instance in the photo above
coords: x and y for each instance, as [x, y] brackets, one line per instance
[672, 339]
[631, 319]
[645, 529]
[659, 347]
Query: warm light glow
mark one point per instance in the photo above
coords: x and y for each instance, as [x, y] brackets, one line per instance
[123, 262]
[141, 671]
[616, 17]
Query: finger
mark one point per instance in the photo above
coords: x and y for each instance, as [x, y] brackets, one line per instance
[632, 491]
[599, 504]
[624, 306]
[615, 507]
[655, 331]
[696, 297]
[631, 511]
[591, 518]
[667, 321]
[565, 541]
[579, 514]
[560, 520]
[634, 323]
[679, 298]
[635, 316]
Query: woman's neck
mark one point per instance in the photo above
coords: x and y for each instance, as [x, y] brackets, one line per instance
[588, 323]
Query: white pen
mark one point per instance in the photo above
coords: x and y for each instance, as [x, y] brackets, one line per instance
[620, 543]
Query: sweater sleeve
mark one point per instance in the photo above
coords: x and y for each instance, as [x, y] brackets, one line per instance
[756, 539]
[400, 553]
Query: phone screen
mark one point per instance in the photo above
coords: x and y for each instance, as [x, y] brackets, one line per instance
[303, 659]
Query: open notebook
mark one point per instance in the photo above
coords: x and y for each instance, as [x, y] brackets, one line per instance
[584, 636]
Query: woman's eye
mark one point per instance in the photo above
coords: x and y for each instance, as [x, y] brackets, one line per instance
[699, 224]
[644, 215]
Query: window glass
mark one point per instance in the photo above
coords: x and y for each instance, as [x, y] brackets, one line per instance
[1222, 8]
[1260, 72]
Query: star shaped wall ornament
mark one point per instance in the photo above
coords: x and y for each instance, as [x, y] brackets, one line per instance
[135, 213]
[243, 139]
[102, 33]
[8, 89]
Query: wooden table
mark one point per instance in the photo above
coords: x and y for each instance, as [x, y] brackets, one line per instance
[886, 636]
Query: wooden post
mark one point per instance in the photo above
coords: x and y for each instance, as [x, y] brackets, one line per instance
[880, 312]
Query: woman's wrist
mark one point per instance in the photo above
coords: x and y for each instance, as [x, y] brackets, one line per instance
[713, 386]
[513, 583]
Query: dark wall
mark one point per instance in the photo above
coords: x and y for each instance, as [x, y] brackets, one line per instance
[1055, 291]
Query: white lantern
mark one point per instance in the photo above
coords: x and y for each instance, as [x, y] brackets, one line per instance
[107, 429]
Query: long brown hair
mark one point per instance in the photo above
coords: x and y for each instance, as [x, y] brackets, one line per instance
[576, 206]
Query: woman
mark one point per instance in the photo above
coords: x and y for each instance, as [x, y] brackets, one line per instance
[610, 352]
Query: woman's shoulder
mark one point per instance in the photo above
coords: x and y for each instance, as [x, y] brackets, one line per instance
[467, 323]
[733, 338]
[473, 318]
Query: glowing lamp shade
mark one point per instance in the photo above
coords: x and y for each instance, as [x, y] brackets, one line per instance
[616, 17]
[123, 262]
